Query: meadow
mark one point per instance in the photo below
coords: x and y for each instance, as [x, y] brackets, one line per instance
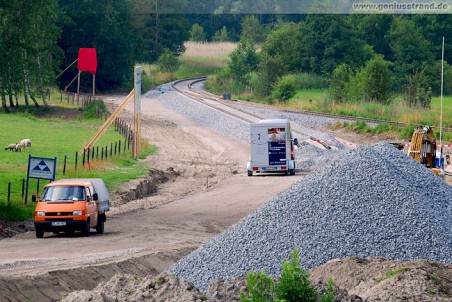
[60, 139]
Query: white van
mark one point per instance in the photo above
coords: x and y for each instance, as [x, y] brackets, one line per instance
[272, 147]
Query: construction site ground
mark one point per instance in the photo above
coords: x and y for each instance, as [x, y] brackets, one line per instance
[202, 189]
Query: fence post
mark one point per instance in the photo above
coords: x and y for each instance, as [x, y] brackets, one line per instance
[116, 145]
[97, 152]
[92, 154]
[37, 188]
[111, 150]
[102, 154]
[9, 192]
[88, 155]
[119, 147]
[23, 188]
[76, 158]
[83, 158]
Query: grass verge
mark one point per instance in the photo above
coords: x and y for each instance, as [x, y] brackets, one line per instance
[60, 138]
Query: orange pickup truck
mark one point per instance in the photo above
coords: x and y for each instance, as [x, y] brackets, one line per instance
[69, 205]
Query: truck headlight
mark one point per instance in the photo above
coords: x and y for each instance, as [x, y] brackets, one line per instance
[77, 213]
[40, 213]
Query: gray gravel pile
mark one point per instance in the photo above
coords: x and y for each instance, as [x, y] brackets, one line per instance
[310, 158]
[371, 201]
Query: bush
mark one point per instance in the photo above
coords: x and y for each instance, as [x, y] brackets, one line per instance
[95, 109]
[417, 92]
[311, 81]
[285, 87]
[338, 83]
[293, 285]
[168, 61]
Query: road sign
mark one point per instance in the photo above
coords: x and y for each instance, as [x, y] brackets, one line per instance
[40, 167]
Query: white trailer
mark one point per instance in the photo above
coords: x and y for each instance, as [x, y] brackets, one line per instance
[272, 147]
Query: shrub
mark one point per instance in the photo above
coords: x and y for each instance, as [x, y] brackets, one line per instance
[168, 61]
[311, 81]
[338, 83]
[95, 109]
[377, 79]
[285, 87]
[417, 92]
[293, 285]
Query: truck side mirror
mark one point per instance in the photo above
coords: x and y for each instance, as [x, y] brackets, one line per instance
[33, 198]
[95, 197]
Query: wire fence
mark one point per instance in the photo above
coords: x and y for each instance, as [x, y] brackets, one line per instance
[81, 160]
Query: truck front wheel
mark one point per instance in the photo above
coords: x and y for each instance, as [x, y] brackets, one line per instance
[39, 233]
[100, 224]
[86, 229]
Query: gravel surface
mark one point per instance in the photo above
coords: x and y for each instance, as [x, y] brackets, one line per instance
[204, 115]
[308, 157]
[371, 201]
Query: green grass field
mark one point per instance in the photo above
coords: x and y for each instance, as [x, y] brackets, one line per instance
[59, 138]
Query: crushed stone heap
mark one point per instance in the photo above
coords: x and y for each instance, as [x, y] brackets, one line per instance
[371, 201]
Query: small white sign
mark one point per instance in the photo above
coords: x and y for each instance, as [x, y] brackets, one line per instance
[137, 89]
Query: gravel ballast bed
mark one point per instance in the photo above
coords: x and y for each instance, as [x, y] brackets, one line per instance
[308, 157]
[371, 201]
[206, 116]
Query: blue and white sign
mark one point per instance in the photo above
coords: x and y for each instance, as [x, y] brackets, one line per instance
[40, 167]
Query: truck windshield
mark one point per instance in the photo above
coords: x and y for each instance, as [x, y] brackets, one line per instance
[63, 193]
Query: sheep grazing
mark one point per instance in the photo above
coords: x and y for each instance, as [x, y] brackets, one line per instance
[18, 148]
[11, 147]
[25, 143]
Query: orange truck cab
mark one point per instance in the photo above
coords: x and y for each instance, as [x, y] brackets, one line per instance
[69, 205]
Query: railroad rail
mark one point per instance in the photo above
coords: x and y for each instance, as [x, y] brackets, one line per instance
[312, 113]
[217, 103]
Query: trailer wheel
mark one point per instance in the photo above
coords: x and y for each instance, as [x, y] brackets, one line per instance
[250, 173]
[39, 233]
[86, 229]
[100, 224]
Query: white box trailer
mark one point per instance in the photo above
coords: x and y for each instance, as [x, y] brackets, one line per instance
[272, 147]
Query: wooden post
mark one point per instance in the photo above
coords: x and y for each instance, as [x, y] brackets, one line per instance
[64, 165]
[23, 188]
[76, 157]
[9, 192]
[94, 85]
[78, 85]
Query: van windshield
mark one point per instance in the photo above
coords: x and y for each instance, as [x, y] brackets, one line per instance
[63, 193]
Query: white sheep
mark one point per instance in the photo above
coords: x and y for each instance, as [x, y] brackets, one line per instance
[11, 147]
[18, 147]
[25, 143]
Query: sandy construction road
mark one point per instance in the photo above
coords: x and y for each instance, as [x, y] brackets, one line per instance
[145, 236]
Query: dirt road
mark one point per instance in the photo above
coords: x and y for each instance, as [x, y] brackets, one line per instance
[208, 192]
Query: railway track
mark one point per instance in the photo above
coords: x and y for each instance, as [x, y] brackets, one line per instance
[306, 112]
[217, 103]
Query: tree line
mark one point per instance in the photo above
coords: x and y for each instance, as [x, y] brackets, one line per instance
[358, 57]
[40, 38]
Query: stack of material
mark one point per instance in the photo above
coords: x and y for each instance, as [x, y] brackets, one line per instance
[372, 201]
